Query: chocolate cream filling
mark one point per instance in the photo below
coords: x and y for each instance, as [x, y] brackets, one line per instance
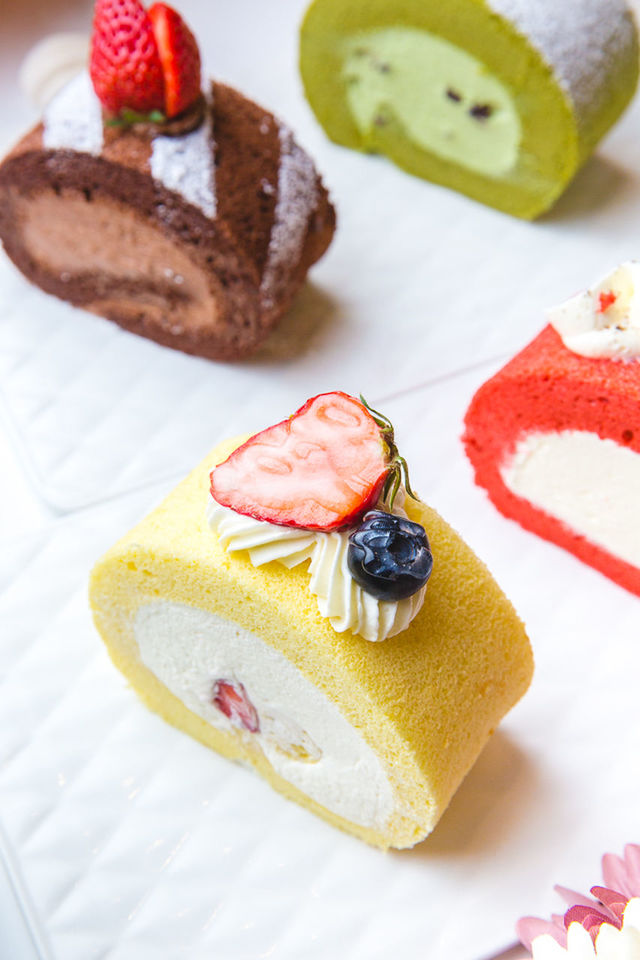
[110, 258]
[123, 262]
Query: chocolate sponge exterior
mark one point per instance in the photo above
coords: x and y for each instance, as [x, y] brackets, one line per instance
[229, 251]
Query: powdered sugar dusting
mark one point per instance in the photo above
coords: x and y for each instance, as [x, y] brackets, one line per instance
[297, 199]
[73, 119]
[583, 41]
[186, 165]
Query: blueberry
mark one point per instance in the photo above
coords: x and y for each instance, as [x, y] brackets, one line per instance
[389, 556]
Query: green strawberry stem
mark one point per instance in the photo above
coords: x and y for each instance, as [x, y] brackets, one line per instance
[127, 118]
[398, 469]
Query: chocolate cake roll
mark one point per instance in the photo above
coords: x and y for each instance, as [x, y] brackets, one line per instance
[198, 241]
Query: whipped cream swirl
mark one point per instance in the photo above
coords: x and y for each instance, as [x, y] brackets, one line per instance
[340, 598]
[604, 321]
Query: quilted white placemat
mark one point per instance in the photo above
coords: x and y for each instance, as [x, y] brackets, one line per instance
[137, 843]
[418, 282]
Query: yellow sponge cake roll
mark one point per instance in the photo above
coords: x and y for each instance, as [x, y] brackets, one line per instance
[374, 737]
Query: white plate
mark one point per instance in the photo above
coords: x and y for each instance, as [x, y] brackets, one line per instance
[136, 842]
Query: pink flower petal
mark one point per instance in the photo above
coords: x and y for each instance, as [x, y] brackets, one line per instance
[573, 898]
[623, 874]
[581, 915]
[588, 918]
[621, 883]
[613, 901]
[632, 859]
[528, 928]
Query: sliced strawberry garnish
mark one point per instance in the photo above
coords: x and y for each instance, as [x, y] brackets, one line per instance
[124, 62]
[321, 469]
[180, 59]
[232, 699]
[144, 65]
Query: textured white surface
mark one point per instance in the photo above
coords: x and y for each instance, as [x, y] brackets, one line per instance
[188, 855]
[135, 843]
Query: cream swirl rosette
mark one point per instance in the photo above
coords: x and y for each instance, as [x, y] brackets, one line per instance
[346, 604]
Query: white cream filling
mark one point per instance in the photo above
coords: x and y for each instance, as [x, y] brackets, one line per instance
[611, 943]
[589, 483]
[340, 598]
[189, 649]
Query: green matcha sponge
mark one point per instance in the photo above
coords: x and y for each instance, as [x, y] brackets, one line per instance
[502, 100]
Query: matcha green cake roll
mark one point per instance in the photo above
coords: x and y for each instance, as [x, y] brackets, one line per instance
[502, 100]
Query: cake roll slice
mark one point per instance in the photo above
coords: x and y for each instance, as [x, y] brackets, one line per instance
[199, 241]
[502, 100]
[554, 436]
[252, 637]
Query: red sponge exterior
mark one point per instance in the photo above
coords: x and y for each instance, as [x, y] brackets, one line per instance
[547, 388]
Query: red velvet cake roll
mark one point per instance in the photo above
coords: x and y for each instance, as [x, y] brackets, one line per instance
[554, 437]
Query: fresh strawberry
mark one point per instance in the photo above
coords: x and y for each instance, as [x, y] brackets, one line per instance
[321, 469]
[232, 699]
[180, 59]
[124, 62]
[144, 65]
